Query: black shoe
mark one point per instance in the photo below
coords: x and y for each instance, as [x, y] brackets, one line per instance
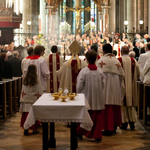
[35, 132]
[79, 136]
[26, 132]
[98, 140]
[124, 126]
[132, 126]
[107, 133]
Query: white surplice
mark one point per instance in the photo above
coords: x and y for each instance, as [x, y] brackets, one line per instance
[91, 83]
[29, 94]
[42, 70]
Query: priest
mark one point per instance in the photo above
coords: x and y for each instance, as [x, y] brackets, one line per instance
[132, 74]
[54, 63]
[70, 69]
[114, 89]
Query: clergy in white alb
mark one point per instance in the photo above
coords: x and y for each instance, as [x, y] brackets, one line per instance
[41, 64]
[143, 58]
[90, 81]
[132, 74]
[24, 61]
[67, 74]
[114, 89]
[54, 62]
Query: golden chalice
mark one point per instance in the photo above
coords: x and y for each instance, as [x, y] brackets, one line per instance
[55, 95]
[63, 97]
[71, 95]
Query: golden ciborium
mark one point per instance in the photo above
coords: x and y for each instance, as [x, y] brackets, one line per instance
[63, 97]
[71, 96]
[55, 95]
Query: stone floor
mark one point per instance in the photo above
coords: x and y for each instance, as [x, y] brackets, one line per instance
[12, 138]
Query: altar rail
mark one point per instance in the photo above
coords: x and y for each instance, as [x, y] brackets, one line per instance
[143, 102]
[10, 97]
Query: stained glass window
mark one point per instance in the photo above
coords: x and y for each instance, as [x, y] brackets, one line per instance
[82, 18]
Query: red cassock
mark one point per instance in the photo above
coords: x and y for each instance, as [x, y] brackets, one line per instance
[23, 119]
[112, 117]
[75, 72]
[98, 125]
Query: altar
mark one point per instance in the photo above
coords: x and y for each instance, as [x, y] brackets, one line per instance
[45, 109]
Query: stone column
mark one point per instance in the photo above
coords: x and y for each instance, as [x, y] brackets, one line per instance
[43, 17]
[69, 14]
[26, 11]
[86, 13]
[141, 10]
[121, 16]
[105, 9]
[35, 17]
[131, 15]
[145, 16]
[112, 17]
[3, 3]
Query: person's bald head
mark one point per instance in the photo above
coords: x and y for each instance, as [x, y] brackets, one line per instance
[125, 50]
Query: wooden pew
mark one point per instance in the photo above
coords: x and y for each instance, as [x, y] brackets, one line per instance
[19, 86]
[3, 100]
[14, 95]
[8, 95]
[146, 102]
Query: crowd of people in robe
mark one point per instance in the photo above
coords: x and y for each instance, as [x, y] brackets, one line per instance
[107, 79]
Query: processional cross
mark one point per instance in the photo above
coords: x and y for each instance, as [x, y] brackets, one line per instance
[77, 9]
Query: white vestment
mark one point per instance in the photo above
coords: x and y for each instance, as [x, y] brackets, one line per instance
[146, 72]
[91, 83]
[142, 59]
[42, 70]
[29, 94]
[128, 111]
[114, 75]
[65, 75]
[117, 47]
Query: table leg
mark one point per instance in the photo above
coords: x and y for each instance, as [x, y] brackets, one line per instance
[45, 135]
[52, 140]
[74, 141]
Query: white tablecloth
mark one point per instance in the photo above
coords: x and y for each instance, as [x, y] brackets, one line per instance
[45, 109]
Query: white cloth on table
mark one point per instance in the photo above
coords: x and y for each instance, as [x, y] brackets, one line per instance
[45, 109]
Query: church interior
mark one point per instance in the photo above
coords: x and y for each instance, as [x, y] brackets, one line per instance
[54, 26]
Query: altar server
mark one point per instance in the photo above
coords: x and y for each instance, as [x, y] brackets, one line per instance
[90, 81]
[41, 64]
[31, 91]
